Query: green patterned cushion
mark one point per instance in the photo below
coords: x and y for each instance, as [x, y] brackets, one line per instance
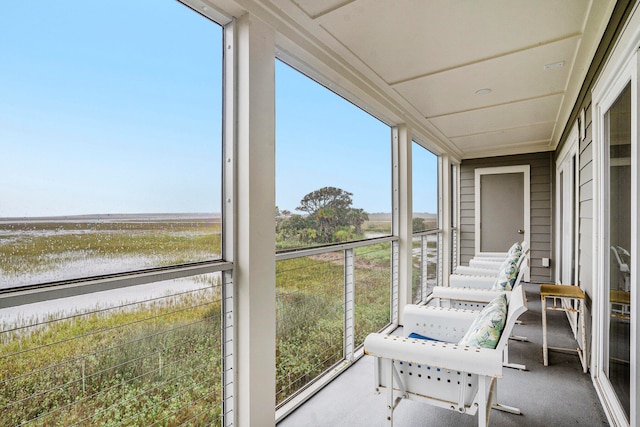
[486, 329]
[515, 250]
[506, 277]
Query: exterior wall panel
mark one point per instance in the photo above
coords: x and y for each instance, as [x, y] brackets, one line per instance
[585, 242]
[541, 184]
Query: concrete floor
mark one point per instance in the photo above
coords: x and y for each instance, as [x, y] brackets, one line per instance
[557, 395]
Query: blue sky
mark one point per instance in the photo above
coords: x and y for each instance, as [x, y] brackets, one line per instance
[116, 108]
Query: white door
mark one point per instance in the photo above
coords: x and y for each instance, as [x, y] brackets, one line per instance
[502, 208]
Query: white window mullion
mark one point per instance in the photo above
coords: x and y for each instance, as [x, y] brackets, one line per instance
[228, 224]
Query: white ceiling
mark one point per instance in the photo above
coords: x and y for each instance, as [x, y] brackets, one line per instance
[429, 57]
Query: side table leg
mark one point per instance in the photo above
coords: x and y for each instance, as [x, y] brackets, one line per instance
[584, 359]
[545, 356]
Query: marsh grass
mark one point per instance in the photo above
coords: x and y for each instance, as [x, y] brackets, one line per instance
[159, 361]
[310, 312]
[309, 319]
[372, 289]
[377, 227]
[34, 247]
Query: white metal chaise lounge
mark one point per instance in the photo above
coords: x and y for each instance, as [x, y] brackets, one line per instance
[486, 266]
[622, 257]
[474, 292]
[499, 256]
[446, 373]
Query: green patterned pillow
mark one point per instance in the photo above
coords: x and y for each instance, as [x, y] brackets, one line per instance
[515, 250]
[486, 329]
[506, 277]
[508, 260]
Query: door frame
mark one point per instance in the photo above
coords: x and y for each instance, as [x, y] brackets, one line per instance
[567, 164]
[568, 154]
[526, 171]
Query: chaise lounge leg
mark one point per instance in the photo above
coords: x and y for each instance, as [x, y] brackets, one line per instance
[499, 406]
[390, 402]
[505, 408]
[508, 364]
[484, 402]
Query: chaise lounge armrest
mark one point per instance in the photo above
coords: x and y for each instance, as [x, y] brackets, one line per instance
[438, 323]
[473, 360]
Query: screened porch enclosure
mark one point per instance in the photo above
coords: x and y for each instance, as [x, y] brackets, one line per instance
[204, 214]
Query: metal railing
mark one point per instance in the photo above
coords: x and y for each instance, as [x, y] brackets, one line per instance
[426, 256]
[328, 300]
[140, 349]
[154, 347]
[454, 249]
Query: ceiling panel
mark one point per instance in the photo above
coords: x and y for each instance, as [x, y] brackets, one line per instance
[505, 116]
[420, 62]
[505, 137]
[511, 78]
[404, 39]
[315, 8]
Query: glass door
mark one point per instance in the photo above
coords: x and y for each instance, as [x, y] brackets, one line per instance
[614, 186]
[617, 239]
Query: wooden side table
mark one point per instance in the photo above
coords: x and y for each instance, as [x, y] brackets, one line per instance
[566, 294]
[620, 304]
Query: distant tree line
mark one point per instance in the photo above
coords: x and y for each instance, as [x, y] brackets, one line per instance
[329, 218]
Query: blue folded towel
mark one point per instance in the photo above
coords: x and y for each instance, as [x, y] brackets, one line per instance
[421, 337]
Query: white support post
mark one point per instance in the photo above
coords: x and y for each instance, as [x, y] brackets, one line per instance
[424, 267]
[444, 219]
[403, 213]
[254, 263]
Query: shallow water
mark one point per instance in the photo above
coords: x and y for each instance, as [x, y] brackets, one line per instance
[32, 313]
